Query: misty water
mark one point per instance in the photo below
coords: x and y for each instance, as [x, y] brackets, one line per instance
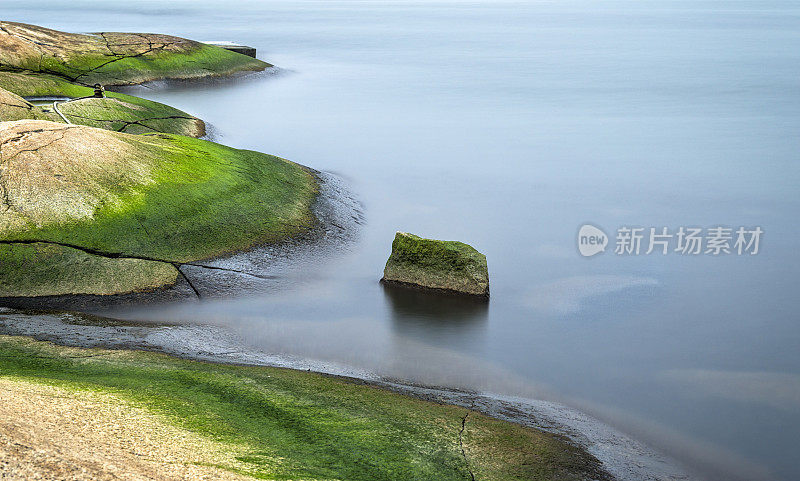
[508, 126]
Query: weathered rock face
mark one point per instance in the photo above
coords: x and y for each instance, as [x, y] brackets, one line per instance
[119, 112]
[14, 107]
[114, 58]
[35, 84]
[91, 211]
[44, 269]
[434, 264]
[132, 115]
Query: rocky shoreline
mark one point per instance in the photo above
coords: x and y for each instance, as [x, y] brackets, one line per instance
[89, 210]
[338, 216]
[622, 457]
[87, 223]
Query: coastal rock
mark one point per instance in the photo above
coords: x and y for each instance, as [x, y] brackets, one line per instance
[434, 264]
[119, 112]
[154, 197]
[36, 84]
[114, 58]
[44, 269]
[131, 115]
[14, 107]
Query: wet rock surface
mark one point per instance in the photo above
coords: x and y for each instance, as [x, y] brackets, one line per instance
[76, 201]
[449, 266]
[114, 58]
[622, 456]
[263, 268]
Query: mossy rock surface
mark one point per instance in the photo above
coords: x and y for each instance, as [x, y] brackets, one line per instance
[42, 269]
[435, 264]
[117, 111]
[14, 107]
[295, 425]
[157, 197]
[114, 58]
[36, 84]
[131, 115]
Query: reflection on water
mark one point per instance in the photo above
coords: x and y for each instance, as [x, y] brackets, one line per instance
[434, 317]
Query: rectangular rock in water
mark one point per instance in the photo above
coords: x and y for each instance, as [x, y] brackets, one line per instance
[434, 264]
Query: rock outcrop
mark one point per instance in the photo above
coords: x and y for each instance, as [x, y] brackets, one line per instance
[114, 58]
[119, 112]
[131, 115]
[14, 107]
[434, 264]
[107, 201]
[45, 269]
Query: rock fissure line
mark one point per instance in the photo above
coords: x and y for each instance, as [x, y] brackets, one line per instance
[22, 136]
[108, 44]
[186, 278]
[139, 122]
[118, 57]
[4, 199]
[80, 73]
[26, 105]
[128, 123]
[120, 255]
[461, 444]
[230, 269]
[27, 39]
[28, 132]
[40, 70]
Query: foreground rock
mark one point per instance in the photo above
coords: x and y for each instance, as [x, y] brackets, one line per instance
[52, 433]
[119, 112]
[434, 264]
[112, 413]
[90, 211]
[114, 58]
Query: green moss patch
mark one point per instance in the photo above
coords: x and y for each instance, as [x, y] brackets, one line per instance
[118, 111]
[47, 269]
[14, 107]
[161, 196]
[34, 84]
[435, 264]
[114, 58]
[204, 200]
[298, 425]
[155, 196]
[124, 113]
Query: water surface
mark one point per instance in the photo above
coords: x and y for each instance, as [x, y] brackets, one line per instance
[507, 126]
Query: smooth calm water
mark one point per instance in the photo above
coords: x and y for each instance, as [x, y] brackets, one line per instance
[509, 125]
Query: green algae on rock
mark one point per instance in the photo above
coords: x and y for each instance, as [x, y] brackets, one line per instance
[44, 269]
[115, 58]
[132, 115]
[14, 107]
[34, 84]
[117, 111]
[287, 424]
[434, 264]
[155, 197]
